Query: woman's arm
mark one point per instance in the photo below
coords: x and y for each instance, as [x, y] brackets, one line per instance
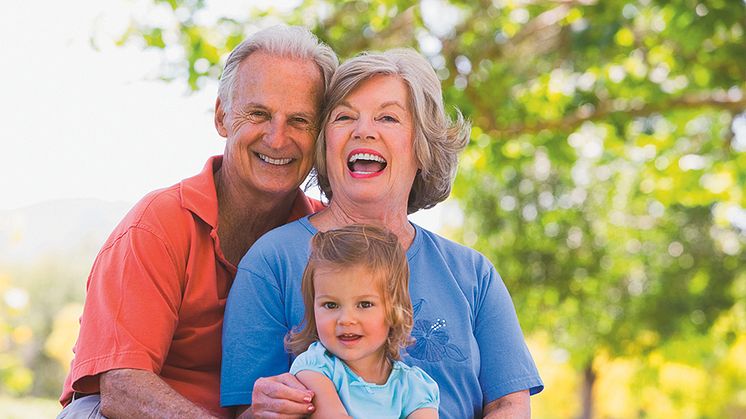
[326, 400]
[513, 405]
[424, 413]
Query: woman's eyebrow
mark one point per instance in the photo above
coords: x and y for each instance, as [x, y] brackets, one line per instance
[392, 103]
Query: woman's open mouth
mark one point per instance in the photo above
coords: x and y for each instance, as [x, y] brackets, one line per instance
[365, 163]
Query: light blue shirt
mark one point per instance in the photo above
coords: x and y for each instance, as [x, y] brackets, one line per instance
[406, 390]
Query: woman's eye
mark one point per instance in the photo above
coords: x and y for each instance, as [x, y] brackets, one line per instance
[388, 118]
[342, 117]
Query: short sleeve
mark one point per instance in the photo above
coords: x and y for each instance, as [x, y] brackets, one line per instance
[132, 281]
[314, 359]
[422, 391]
[506, 363]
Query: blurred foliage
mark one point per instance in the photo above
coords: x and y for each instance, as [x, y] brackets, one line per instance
[604, 177]
[39, 308]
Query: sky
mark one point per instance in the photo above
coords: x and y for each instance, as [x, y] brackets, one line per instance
[84, 118]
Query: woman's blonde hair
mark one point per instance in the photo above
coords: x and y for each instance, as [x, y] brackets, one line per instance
[360, 245]
[437, 139]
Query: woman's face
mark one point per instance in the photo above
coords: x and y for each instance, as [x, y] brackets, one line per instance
[369, 144]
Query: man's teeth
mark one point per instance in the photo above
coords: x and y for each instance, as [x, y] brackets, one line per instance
[366, 156]
[270, 160]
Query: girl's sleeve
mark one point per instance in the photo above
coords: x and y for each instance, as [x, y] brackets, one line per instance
[422, 391]
[314, 359]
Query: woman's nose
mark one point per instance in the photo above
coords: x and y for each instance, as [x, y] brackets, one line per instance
[364, 130]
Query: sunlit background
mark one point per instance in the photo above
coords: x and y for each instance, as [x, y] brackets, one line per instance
[605, 176]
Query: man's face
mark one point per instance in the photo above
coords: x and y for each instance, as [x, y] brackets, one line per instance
[271, 125]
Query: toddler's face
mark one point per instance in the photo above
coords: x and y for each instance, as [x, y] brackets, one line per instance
[350, 315]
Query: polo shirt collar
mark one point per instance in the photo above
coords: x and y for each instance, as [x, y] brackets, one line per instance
[199, 196]
[198, 193]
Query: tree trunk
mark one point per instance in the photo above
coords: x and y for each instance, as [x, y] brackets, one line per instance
[589, 379]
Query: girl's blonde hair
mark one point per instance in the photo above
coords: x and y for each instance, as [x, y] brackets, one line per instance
[360, 245]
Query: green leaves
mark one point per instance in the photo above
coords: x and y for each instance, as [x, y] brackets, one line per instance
[601, 177]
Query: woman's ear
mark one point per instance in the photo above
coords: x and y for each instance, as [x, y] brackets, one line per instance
[220, 118]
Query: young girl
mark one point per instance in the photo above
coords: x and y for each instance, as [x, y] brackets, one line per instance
[358, 316]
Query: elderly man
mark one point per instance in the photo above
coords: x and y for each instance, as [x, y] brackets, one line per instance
[150, 337]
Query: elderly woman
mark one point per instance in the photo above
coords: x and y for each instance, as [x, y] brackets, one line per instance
[387, 150]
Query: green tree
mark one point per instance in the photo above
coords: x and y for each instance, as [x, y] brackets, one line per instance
[604, 177]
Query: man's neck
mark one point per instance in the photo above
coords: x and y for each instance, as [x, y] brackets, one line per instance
[245, 215]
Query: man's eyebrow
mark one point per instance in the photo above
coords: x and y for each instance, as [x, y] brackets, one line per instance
[253, 105]
[310, 116]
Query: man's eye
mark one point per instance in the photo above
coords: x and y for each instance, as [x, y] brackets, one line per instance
[300, 121]
[257, 115]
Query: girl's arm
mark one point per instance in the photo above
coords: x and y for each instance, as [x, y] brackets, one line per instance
[424, 413]
[325, 399]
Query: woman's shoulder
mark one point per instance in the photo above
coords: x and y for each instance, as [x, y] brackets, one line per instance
[433, 243]
[285, 236]
[280, 245]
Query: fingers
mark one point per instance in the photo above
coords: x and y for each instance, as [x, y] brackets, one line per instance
[281, 396]
[291, 381]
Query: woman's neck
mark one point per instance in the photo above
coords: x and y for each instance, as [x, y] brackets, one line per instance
[336, 216]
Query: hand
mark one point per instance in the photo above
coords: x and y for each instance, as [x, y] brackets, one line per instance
[281, 396]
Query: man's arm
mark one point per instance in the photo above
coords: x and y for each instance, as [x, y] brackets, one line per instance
[130, 393]
[513, 405]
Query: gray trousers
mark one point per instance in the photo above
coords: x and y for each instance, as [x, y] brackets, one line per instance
[86, 407]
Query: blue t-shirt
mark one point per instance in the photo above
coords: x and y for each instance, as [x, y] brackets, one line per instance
[467, 334]
[406, 390]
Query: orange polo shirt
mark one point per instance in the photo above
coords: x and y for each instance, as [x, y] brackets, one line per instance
[157, 291]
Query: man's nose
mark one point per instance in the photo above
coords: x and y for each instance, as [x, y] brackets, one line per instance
[276, 135]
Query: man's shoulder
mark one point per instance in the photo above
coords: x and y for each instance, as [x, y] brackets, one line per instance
[157, 207]
[160, 213]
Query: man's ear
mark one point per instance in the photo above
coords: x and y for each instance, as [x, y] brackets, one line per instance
[220, 118]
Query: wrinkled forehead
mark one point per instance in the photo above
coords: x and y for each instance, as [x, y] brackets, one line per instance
[270, 73]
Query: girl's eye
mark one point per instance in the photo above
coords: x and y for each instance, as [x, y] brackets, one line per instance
[366, 304]
[329, 305]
